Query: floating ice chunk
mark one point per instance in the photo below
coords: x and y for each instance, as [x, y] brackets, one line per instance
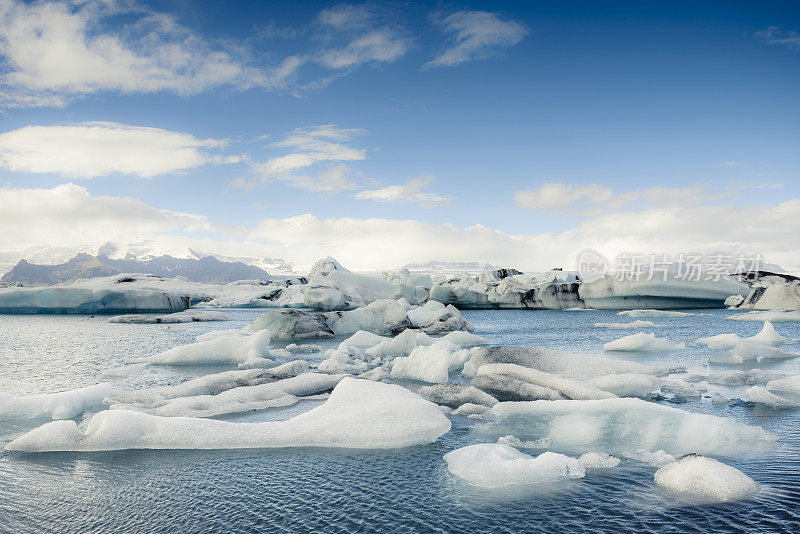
[736, 377]
[347, 360]
[790, 384]
[743, 352]
[89, 297]
[654, 313]
[672, 291]
[464, 339]
[377, 374]
[720, 341]
[454, 395]
[773, 316]
[702, 479]
[627, 384]
[215, 334]
[657, 458]
[574, 366]
[570, 389]
[642, 342]
[760, 395]
[291, 324]
[401, 345]
[426, 363]
[435, 318]
[513, 441]
[384, 317]
[773, 292]
[220, 351]
[619, 425]
[359, 414]
[364, 340]
[505, 387]
[188, 316]
[598, 460]
[61, 405]
[258, 363]
[493, 465]
[768, 336]
[307, 348]
[627, 326]
[733, 301]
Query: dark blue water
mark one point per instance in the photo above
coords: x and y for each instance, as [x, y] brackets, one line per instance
[408, 490]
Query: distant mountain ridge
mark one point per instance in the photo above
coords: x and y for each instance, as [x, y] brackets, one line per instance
[207, 269]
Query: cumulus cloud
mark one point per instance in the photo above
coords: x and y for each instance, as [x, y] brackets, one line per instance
[593, 199]
[775, 35]
[92, 149]
[411, 191]
[68, 214]
[309, 146]
[54, 51]
[476, 35]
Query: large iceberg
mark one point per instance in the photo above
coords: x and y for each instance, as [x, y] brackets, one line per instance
[772, 292]
[613, 292]
[291, 324]
[78, 298]
[493, 465]
[625, 425]
[359, 414]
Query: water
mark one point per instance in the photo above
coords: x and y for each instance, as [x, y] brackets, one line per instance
[309, 490]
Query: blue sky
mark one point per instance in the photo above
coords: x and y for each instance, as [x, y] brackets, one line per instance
[639, 115]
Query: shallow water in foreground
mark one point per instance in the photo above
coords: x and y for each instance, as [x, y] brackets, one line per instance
[406, 490]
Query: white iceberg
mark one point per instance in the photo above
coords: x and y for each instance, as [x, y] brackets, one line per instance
[773, 292]
[657, 458]
[642, 342]
[455, 395]
[760, 395]
[426, 363]
[702, 479]
[773, 316]
[61, 405]
[513, 441]
[86, 298]
[768, 336]
[655, 313]
[436, 318]
[384, 317]
[359, 414]
[627, 384]
[568, 388]
[613, 292]
[215, 334]
[744, 352]
[230, 350]
[628, 424]
[494, 465]
[789, 384]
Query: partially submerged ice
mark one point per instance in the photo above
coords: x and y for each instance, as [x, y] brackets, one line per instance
[624, 425]
[226, 350]
[697, 478]
[494, 465]
[359, 414]
[642, 342]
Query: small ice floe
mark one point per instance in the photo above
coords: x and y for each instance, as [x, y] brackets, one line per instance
[61, 405]
[658, 458]
[359, 414]
[628, 326]
[513, 441]
[598, 460]
[227, 350]
[642, 342]
[767, 337]
[744, 352]
[773, 316]
[705, 480]
[494, 465]
[215, 334]
[454, 395]
[760, 395]
[426, 363]
[789, 385]
[188, 316]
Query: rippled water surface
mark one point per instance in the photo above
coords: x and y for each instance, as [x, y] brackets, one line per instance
[304, 490]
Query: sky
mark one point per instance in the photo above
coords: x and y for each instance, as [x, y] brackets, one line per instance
[384, 133]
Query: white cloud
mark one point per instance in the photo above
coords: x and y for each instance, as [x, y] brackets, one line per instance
[734, 163]
[347, 16]
[310, 146]
[95, 149]
[593, 199]
[377, 45]
[54, 51]
[476, 35]
[68, 214]
[774, 35]
[411, 191]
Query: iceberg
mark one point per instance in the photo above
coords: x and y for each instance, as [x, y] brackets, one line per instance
[229, 350]
[642, 343]
[566, 387]
[611, 292]
[426, 363]
[513, 441]
[760, 395]
[788, 385]
[773, 292]
[657, 458]
[291, 324]
[706, 480]
[359, 414]
[737, 377]
[773, 316]
[349, 360]
[384, 317]
[215, 334]
[768, 336]
[744, 352]
[494, 465]
[435, 318]
[61, 405]
[628, 424]
[89, 300]
[655, 313]
[188, 316]
[627, 384]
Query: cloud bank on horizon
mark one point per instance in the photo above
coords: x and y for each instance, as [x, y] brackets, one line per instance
[384, 134]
